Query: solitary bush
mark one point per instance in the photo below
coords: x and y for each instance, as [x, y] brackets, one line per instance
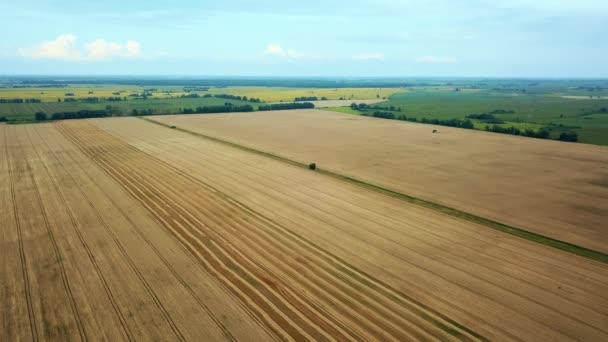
[40, 116]
[173, 127]
[568, 136]
[312, 166]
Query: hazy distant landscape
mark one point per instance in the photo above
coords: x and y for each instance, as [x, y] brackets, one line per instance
[386, 170]
[576, 110]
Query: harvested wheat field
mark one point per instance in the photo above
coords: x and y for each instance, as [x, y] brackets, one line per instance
[120, 229]
[551, 188]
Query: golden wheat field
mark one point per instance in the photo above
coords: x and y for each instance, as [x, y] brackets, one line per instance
[552, 188]
[120, 229]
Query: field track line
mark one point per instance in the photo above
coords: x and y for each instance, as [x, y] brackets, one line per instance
[26, 282]
[202, 201]
[208, 200]
[538, 238]
[158, 141]
[85, 245]
[58, 257]
[506, 289]
[450, 305]
[224, 330]
[440, 237]
[348, 268]
[139, 179]
[151, 292]
[212, 257]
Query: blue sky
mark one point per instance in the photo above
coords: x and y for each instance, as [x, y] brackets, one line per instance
[517, 38]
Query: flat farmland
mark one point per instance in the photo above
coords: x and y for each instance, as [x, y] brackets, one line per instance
[551, 188]
[182, 238]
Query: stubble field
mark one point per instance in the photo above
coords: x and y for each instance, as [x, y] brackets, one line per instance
[120, 229]
[551, 188]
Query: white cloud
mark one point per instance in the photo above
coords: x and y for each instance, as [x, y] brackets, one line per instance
[102, 49]
[64, 47]
[368, 57]
[435, 59]
[277, 50]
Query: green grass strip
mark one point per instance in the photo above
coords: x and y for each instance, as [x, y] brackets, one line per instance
[538, 238]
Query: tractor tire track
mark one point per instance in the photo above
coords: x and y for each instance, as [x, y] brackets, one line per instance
[58, 257]
[385, 328]
[24, 268]
[134, 268]
[224, 330]
[91, 255]
[346, 269]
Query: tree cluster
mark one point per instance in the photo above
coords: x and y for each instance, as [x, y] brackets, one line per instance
[306, 98]
[20, 100]
[468, 124]
[235, 97]
[281, 106]
[568, 136]
[82, 114]
[190, 96]
[485, 117]
[226, 108]
[540, 134]
[140, 112]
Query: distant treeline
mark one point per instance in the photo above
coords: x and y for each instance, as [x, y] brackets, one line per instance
[81, 114]
[58, 85]
[189, 89]
[281, 106]
[230, 82]
[226, 108]
[542, 133]
[20, 100]
[485, 117]
[236, 97]
[364, 106]
[92, 99]
[222, 96]
[140, 112]
[308, 98]
[449, 122]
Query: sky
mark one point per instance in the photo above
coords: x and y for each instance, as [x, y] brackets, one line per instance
[401, 38]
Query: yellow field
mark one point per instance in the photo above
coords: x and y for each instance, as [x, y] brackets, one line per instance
[120, 229]
[288, 94]
[52, 94]
[268, 94]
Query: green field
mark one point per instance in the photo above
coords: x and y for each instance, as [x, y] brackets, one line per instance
[557, 105]
[346, 110]
[581, 115]
[26, 111]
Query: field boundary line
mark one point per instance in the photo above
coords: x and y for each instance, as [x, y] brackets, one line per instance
[522, 233]
[22, 256]
[164, 260]
[346, 268]
[87, 248]
[159, 304]
[58, 255]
